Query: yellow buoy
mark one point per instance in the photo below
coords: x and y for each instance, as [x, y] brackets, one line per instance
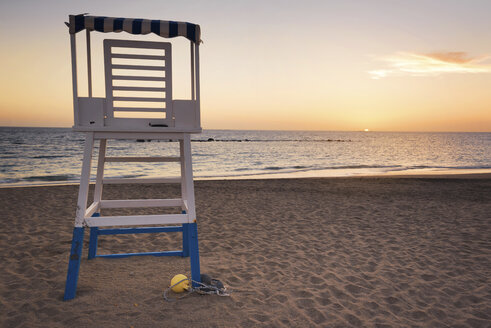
[182, 286]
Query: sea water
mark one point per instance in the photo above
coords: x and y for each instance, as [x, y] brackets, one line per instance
[54, 155]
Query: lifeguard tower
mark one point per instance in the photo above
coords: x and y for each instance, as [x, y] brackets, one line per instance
[101, 120]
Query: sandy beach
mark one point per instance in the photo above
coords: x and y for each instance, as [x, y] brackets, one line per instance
[320, 252]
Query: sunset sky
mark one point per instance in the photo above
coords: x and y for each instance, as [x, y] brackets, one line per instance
[279, 65]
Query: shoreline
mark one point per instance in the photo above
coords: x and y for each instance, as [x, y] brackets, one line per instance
[313, 174]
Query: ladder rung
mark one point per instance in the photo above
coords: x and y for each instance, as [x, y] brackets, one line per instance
[137, 203]
[132, 220]
[142, 159]
[123, 231]
[141, 180]
[167, 253]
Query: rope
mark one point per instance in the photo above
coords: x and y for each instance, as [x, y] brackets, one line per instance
[203, 289]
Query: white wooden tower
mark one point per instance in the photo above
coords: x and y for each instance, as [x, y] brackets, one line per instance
[101, 121]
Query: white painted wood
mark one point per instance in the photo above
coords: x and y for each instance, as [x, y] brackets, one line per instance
[109, 81]
[155, 134]
[188, 178]
[141, 180]
[139, 124]
[138, 78]
[95, 116]
[192, 71]
[138, 109]
[100, 170]
[138, 67]
[120, 88]
[185, 113]
[141, 130]
[73, 50]
[129, 119]
[137, 203]
[198, 95]
[94, 207]
[139, 99]
[162, 96]
[132, 56]
[91, 111]
[83, 191]
[136, 220]
[184, 194]
[89, 63]
[142, 159]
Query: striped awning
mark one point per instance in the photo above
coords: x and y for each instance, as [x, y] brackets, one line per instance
[166, 29]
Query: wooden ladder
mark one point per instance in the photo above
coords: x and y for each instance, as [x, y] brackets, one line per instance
[90, 216]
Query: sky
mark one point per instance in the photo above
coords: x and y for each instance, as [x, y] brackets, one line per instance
[275, 65]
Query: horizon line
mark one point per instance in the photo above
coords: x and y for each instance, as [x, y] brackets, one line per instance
[279, 130]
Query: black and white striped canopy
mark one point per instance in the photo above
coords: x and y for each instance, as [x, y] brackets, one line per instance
[166, 29]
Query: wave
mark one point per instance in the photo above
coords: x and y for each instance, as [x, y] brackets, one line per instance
[58, 177]
[353, 170]
[48, 156]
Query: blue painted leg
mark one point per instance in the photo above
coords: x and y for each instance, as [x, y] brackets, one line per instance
[185, 239]
[74, 263]
[194, 252]
[94, 234]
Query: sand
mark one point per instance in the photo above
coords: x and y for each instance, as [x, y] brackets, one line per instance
[330, 252]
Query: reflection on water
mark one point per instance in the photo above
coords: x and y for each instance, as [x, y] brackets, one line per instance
[40, 155]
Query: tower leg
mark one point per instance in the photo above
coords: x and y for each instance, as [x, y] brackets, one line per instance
[94, 235]
[74, 263]
[188, 194]
[194, 252]
[78, 231]
[185, 239]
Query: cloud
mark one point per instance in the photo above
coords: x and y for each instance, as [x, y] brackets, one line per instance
[433, 64]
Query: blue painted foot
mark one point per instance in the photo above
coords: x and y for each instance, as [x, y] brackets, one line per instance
[194, 252]
[94, 235]
[185, 239]
[74, 263]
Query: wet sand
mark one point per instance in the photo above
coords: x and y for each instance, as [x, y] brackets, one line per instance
[327, 252]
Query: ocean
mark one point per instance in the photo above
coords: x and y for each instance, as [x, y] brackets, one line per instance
[43, 156]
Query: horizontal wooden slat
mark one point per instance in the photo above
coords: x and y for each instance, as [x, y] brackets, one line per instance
[131, 56]
[137, 203]
[122, 88]
[138, 99]
[141, 180]
[153, 133]
[142, 159]
[132, 220]
[139, 67]
[138, 109]
[138, 78]
[123, 231]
